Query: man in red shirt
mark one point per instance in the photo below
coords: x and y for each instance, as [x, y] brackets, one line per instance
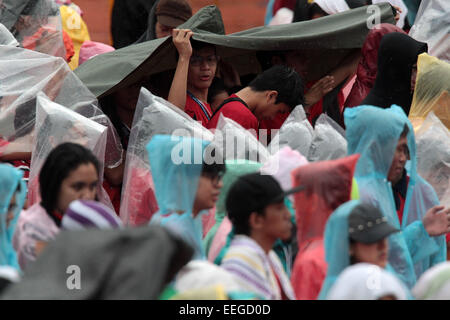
[277, 90]
[197, 64]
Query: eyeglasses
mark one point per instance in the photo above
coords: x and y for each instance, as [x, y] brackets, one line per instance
[197, 61]
[215, 177]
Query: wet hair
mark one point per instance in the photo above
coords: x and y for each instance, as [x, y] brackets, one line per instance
[217, 86]
[61, 161]
[215, 169]
[286, 81]
[199, 45]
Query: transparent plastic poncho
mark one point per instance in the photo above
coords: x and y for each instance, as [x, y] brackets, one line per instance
[10, 181]
[153, 116]
[55, 125]
[176, 163]
[374, 133]
[328, 141]
[36, 24]
[296, 132]
[6, 37]
[433, 156]
[432, 25]
[23, 75]
[432, 91]
[235, 142]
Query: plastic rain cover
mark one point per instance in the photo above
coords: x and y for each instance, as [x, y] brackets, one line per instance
[296, 132]
[432, 91]
[153, 116]
[328, 141]
[23, 75]
[36, 24]
[238, 143]
[432, 25]
[433, 156]
[57, 124]
[6, 37]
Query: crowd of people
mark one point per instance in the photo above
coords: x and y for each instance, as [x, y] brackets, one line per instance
[286, 162]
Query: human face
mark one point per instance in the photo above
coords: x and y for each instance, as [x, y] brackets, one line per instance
[208, 192]
[374, 253]
[398, 163]
[162, 30]
[299, 61]
[80, 184]
[202, 68]
[277, 221]
[268, 109]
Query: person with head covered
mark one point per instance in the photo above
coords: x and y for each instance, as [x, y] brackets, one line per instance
[384, 138]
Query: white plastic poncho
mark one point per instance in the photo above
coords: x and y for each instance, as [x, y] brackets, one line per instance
[328, 142]
[23, 75]
[153, 116]
[6, 37]
[432, 25]
[296, 132]
[55, 125]
[433, 156]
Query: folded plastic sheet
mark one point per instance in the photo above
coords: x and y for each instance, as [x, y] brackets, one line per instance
[328, 141]
[433, 156]
[432, 91]
[296, 132]
[36, 24]
[153, 116]
[23, 75]
[432, 25]
[238, 143]
[55, 125]
[6, 37]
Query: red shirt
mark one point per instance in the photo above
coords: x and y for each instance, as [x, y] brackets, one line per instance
[197, 110]
[237, 111]
[274, 124]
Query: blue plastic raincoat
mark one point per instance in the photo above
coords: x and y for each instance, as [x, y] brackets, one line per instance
[373, 133]
[176, 165]
[10, 180]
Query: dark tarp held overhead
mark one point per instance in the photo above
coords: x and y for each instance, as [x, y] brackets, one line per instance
[326, 40]
[115, 264]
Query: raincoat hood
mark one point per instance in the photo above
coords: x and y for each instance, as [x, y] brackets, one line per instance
[331, 39]
[432, 91]
[367, 67]
[328, 185]
[10, 180]
[176, 165]
[397, 54]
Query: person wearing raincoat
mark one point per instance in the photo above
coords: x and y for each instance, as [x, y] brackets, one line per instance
[397, 66]
[69, 173]
[356, 232]
[12, 198]
[384, 138]
[187, 185]
[328, 185]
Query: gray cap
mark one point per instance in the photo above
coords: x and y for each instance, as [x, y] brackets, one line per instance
[368, 225]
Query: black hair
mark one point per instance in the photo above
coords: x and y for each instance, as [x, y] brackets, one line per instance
[24, 118]
[316, 9]
[216, 168]
[198, 45]
[62, 160]
[405, 131]
[217, 86]
[286, 81]
[240, 220]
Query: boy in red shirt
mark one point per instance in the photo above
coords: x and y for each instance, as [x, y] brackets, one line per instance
[277, 90]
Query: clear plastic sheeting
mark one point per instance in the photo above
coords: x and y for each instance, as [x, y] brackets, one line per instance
[6, 37]
[153, 116]
[432, 25]
[36, 24]
[238, 143]
[328, 141]
[432, 91]
[296, 132]
[23, 75]
[57, 124]
[433, 156]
